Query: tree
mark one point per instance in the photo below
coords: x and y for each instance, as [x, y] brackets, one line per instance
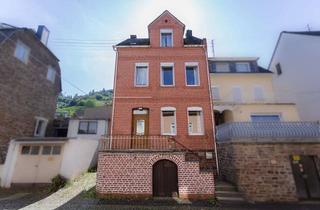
[90, 103]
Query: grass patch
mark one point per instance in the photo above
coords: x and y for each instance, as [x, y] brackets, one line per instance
[89, 194]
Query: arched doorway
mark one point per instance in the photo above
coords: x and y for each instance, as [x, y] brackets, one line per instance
[165, 179]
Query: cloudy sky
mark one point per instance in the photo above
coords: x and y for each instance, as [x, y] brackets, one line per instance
[82, 32]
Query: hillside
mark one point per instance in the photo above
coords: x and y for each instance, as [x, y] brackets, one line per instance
[71, 104]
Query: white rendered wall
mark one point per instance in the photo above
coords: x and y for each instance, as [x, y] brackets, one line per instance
[78, 156]
[74, 126]
[299, 57]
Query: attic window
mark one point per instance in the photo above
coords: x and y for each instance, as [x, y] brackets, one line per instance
[165, 20]
[166, 38]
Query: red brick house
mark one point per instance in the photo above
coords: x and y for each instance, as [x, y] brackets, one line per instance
[162, 141]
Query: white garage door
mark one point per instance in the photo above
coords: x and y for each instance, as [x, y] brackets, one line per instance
[37, 163]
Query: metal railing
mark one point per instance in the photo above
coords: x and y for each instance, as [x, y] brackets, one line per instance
[242, 130]
[130, 142]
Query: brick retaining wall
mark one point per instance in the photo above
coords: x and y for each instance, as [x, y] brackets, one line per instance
[262, 171]
[130, 174]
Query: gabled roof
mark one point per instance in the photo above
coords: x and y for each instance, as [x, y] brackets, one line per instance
[166, 12]
[134, 41]
[310, 33]
[95, 113]
[6, 31]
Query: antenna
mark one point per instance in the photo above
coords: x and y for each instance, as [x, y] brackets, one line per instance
[212, 45]
[309, 28]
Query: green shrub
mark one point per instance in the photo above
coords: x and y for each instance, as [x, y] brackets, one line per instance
[90, 103]
[99, 97]
[57, 183]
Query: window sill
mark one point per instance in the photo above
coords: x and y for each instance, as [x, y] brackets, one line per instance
[87, 134]
[168, 134]
[141, 86]
[167, 86]
[192, 85]
[195, 134]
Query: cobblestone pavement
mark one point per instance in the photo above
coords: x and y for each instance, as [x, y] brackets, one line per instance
[81, 203]
[64, 195]
[17, 197]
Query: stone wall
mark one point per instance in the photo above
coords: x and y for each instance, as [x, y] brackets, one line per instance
[25, 91]
[262, 171]
[130, 174]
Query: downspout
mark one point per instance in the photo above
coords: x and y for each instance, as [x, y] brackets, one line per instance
[211, 107]
[114, 94]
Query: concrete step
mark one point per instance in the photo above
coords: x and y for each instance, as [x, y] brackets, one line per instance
[226, 188]
[233, 194]
[230, 199]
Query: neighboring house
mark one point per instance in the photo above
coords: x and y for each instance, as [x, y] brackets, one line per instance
[263, 147]
[161, 141]
[243, 92]
[295, 63]
[37, 160]
[91, 124]
[29, 84]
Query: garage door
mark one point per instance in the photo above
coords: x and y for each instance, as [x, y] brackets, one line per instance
[37, 163]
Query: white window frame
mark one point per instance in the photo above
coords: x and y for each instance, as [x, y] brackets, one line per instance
[26, 59]
[226, 63]
[201, 121]
[166, 30]
[213, 95]
[242, 63]
[255, 88]
[53, 79]
[233, 96]
[168, 108]
[191, 64]
[135, 74]
[161, 77]
[88, 121]
[43, 131]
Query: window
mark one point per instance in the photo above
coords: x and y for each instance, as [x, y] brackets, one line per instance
[51, 150]
[22, 52]
[279, 70]
[215, 93]
[35, 150]
[41, 125]
[265, 118]
[51, 74]
[46, 150]
[222, 67]
[56, 150]
[258, 93]
[87, 127]
[168, 121]
[192, 75]
[141, 75]
[236, 94]
[25, 150]
[167, 77]
[166, 38]
[242, 67]
[209, 155]
[195, 121]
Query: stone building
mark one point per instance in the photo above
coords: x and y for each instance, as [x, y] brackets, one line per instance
[161, 141]
[29, 84]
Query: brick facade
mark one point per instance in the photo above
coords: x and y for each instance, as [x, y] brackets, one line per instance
[24, 90]
[262, 171]
[130, 174]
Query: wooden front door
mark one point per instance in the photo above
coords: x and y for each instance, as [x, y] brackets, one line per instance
[165, 179]
[306, 175]
[140, 128]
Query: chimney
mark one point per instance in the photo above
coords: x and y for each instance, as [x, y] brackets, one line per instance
[133, 36]
[43, 34]
[189, 33]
